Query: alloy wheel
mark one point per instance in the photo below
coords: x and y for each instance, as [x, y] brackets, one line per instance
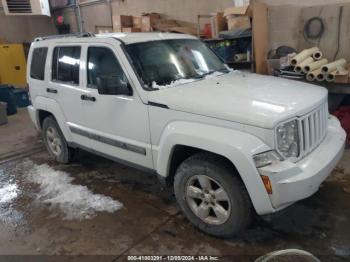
[208, 200]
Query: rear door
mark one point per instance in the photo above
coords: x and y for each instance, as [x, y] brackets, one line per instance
[65, 87]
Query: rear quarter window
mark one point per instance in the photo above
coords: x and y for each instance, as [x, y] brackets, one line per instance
[37, 65]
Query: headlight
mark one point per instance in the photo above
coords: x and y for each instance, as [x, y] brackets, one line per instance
[266, 158]
[288, 139]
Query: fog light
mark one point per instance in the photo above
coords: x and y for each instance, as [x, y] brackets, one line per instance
[267, 184]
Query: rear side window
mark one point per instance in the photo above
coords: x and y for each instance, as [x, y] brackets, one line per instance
[65, 64]
[37, 66]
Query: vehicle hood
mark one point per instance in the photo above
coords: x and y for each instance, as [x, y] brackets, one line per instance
[241, 97]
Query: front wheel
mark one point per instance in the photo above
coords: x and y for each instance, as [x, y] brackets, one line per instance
[212, 196]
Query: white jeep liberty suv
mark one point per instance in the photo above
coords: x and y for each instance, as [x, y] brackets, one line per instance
[230, 143]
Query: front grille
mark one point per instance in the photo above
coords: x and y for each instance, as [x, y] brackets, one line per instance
[313, 129]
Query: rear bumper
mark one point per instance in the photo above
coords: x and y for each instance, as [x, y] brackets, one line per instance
[295, 181]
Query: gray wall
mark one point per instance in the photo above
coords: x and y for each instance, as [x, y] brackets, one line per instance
[24, 28]
[283, 22]
[302, 2]
[185, 11]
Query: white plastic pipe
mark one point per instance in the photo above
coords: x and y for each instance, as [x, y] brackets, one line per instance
[317, 55]
[240, 57]
[311, 76]
[315, 65]
[331, 76]
[325, 69]
[321, 77]
[303, 55]
[299, 67]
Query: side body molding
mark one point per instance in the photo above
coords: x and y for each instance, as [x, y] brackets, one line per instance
[235, 145]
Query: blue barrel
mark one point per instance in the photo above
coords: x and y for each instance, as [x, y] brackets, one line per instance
[22, 97]
[6, 95]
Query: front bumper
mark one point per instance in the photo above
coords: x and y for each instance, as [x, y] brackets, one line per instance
[295, 181]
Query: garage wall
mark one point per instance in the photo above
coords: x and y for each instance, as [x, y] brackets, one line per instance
[302, 2]
[185, 11]
[286, 21]
[24, 28]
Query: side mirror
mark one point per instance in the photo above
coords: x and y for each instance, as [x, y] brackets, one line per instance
[113, 86]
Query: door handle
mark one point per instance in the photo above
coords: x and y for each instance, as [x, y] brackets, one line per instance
[51, 90]
[88, 98]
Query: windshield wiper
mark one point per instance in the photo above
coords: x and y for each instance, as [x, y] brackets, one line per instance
[224, 70]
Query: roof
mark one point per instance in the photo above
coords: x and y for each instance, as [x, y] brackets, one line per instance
[130, 38]
[127, 38]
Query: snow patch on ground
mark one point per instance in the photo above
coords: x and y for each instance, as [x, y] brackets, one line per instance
[8, 193]
[8, 188]
[75, 201]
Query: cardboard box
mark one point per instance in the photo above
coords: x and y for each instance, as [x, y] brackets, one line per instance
[217, 24]
[148, 20]
[342, 77]
[130, 29]
[239, 10]
[238, 23]
[238, 17]
[153, 16]
[165, 25]
[136, 22]
[120, 21]
[184, 30]
[103, 29]
[146, 24]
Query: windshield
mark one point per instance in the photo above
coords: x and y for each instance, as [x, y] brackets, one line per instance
[161, 63]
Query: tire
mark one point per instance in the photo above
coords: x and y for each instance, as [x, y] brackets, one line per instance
[51, 131]
[196, 171]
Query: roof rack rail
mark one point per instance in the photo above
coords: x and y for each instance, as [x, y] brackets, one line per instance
[84, 34]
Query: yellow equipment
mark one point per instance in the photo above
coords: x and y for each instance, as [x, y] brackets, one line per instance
[12, 65]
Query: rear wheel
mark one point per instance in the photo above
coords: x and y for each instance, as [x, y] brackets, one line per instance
[55, 142]
[212, 196]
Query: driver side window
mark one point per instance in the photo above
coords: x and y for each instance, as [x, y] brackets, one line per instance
[104, 71]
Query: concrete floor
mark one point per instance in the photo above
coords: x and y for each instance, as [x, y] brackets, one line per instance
[150, 222]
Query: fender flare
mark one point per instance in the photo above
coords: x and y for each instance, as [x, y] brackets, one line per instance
[236, 146]
[50, 105]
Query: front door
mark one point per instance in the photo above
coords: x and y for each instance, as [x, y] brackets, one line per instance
[117, 124]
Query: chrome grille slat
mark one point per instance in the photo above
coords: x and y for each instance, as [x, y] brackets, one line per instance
[313, 129]
[306, 135]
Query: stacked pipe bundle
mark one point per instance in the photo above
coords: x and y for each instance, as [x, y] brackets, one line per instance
[311, 62]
